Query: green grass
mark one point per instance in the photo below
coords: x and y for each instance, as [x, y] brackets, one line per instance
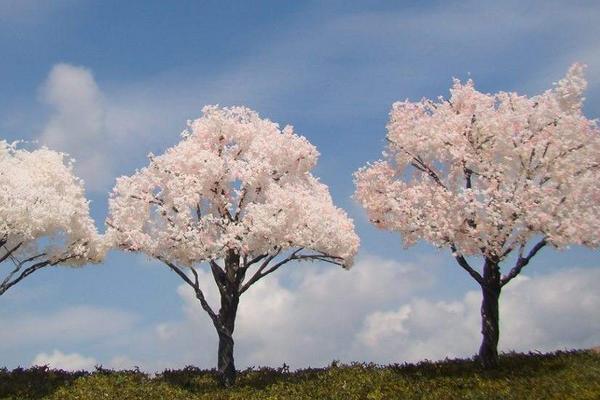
[561, 375]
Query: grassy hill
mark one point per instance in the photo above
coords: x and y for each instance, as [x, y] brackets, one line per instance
[561, 375]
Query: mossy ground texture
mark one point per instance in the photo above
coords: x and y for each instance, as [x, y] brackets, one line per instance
[560, 375]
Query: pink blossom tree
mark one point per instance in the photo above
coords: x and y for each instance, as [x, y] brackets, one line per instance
[494, 177]
[237, 194]
[44, 216]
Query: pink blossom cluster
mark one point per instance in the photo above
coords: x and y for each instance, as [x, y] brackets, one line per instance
[43, 210]
[485, 173]
[235, 182]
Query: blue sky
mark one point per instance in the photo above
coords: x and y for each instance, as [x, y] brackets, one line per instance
[109, 82]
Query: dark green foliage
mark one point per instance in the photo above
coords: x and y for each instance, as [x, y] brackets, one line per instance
[561, 375]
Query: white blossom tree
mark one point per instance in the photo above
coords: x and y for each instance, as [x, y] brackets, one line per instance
[237, 194]
[44, 215]
[490, 176]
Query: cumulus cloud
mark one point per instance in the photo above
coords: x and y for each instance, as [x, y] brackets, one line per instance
[109, 134]
[421, 329]
[78, 123]
[556, 311]
[308, 315]
[110, 129]
[378, 312]
[69, 362]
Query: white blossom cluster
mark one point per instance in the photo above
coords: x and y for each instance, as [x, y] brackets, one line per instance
[484, 173]
[234, 182]
[44, 214]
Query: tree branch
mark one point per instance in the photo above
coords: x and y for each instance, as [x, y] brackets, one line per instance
[522, 262]
[240, 204]
[18, 266]
[419, 164]
[258, 274]
[462, 261]
[9, 252]
[468, 173]
[321, 257]
[7, 284]
[219, 276]
[255, 260]
[262, 271]
[194, 285]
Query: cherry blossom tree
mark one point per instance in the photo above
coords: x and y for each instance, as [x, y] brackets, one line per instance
[494, 177]
[44, 215]
[236, 194]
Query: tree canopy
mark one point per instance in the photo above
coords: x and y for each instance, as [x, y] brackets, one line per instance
[44, 215]
[484, 174]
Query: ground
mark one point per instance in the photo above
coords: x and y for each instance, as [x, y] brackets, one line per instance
[561, 375]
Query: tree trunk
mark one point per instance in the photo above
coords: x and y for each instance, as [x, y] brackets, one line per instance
[226, 363]
[488, 352]
[228, 282]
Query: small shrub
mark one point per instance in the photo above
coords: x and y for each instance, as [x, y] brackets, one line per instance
[560, 375]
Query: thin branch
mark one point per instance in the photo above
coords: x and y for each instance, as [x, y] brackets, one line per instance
[427, 169]
[32, 258]
[178, 271]
[193, 285]
[240, 204]
[522, 262]
[196, 282]
[419, 164]
[258, 274]
[10, 275]
[9, 252]
[255, 260]
[510, 248]
[262, 271]
[28, 271]
[18, 266]
[462, 261]
[321, 257]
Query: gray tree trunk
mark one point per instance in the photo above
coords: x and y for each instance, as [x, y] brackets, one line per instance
[490, 329]
[226, 362]
[229, 282]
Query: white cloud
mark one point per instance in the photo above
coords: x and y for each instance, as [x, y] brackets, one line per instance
[69, 362]
[122, 362]
[75, 324]
[309, 315]
[110, 134]
[557, 311]
[111, 129]
[310, 319]
[421, 329]
[377, 312]
[78, 123]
